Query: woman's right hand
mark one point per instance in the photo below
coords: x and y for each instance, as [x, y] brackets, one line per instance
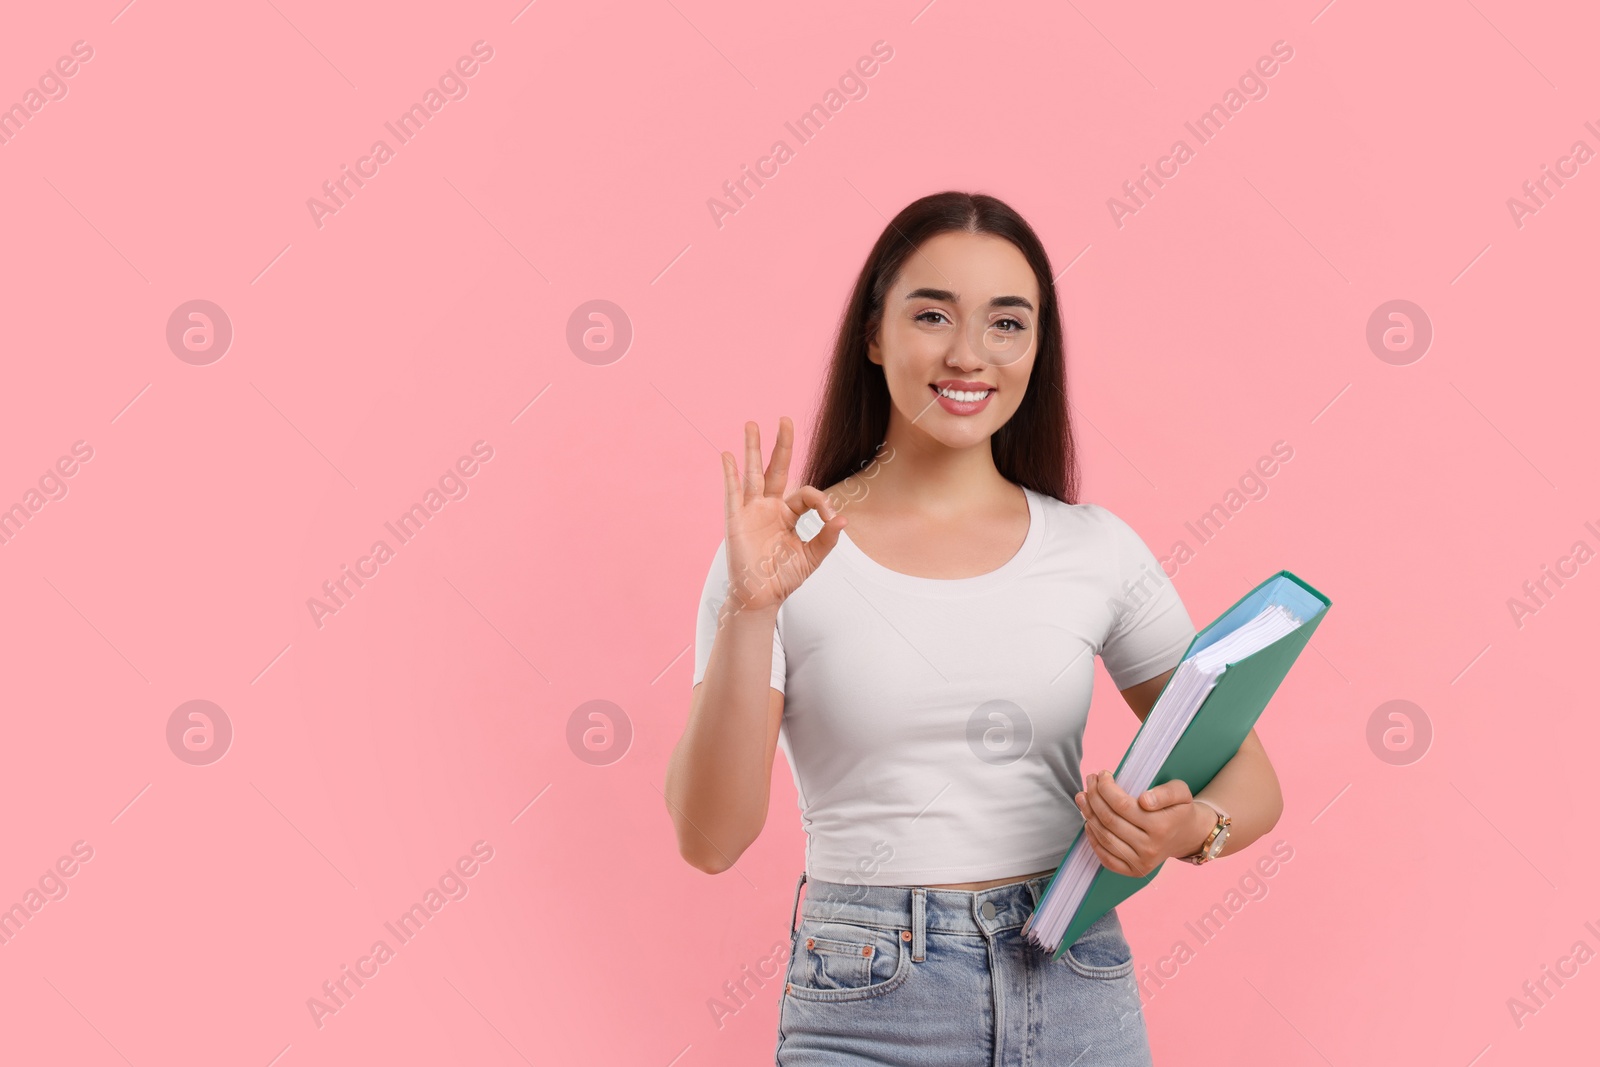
[767, 559]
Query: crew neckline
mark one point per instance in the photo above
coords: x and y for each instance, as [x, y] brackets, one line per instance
[868, 567]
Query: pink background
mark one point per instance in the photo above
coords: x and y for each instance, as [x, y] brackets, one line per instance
[428, 313]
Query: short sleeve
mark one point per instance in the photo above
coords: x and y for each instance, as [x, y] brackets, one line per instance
[1150, 629]
[705, 631]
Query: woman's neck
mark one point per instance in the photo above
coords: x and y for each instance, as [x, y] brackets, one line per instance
[915, 476]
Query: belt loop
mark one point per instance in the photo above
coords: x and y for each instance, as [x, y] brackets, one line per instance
[919, 924]
[795, 915]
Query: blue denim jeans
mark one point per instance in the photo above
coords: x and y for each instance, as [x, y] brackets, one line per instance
[899, 975]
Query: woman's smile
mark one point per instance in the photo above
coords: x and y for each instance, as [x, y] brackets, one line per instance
[962, 398]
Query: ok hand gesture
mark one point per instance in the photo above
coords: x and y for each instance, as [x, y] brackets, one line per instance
[767, 560]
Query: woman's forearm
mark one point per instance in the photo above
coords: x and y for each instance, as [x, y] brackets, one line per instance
[718, 778]
[1247, 790]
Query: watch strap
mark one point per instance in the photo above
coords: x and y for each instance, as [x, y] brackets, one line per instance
[1200, 855]
[1212, 805]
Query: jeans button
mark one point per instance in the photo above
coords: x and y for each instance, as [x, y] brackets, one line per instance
[988, 909]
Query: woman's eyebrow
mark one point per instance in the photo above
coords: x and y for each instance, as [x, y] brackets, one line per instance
[951, 298]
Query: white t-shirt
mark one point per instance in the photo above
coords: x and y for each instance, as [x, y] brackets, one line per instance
[934, 726]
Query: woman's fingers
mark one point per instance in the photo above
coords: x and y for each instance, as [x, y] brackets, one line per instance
[1166, 795]
[806, 497]
[778, 469]
[823, 541]
[1109, 817]
[1109, 845]
[730, 487]
[752, 461]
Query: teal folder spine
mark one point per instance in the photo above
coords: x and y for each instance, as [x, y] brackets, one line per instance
[1211, 739]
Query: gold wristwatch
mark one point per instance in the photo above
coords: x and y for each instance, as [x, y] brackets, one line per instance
[1212, 846]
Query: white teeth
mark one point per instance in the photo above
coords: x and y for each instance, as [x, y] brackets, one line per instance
[964, 397]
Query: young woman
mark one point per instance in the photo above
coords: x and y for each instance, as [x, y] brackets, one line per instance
[928, 674]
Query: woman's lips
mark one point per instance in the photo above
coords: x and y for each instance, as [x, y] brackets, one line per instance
[961, 407]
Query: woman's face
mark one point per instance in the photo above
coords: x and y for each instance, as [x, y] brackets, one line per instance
[962, 315]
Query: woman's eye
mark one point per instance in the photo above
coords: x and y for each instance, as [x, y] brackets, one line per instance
[1016, 325]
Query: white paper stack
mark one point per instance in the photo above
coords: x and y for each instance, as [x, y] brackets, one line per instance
[1182, 697]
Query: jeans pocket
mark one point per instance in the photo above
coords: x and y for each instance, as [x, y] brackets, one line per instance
[1102, 951]
[836, 961]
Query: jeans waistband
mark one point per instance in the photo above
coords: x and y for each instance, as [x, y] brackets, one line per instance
[918, 909]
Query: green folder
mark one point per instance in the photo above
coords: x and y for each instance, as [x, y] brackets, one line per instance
[1219, 726]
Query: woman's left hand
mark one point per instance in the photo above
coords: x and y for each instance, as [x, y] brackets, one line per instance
[1133, 836]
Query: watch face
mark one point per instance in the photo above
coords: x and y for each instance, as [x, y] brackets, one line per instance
[1216, 846]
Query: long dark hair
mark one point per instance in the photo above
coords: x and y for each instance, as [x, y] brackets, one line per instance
[1034, 448]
